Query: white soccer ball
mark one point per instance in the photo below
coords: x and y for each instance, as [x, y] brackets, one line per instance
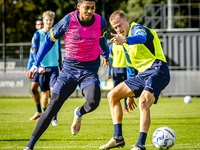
[164, 138]
[187, 99]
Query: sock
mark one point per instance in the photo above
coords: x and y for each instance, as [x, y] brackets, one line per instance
[126, 107]
[141, 140]
[31, 142]
[78, 113]
[44, 109]
[39, 108]
[117, 131]
[54, 117]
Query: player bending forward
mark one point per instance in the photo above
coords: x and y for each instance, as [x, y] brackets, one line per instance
[147, 57]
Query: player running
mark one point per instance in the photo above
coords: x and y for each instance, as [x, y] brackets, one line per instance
[85, 38]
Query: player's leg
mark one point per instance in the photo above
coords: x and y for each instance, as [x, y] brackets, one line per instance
[44, 99]
[45, 89]
[45, 81]
[154, 84]
[36, 97]
[35, 92]
[114, 96]
[123, 78]
[118, 78]
[146, 100]
[92, 94]
[53, 78]
[63, 88]
[126, 111]
[54, 106]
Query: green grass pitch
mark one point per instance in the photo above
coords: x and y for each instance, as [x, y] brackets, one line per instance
[97, 128]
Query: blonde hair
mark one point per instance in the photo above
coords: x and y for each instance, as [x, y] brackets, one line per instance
[48, 13]
[115, 15]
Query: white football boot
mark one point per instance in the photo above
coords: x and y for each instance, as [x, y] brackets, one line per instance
[76, 125]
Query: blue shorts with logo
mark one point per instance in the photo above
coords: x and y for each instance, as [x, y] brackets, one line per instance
[36, 78]
[76, 73]
[153, 79]
[48, 79]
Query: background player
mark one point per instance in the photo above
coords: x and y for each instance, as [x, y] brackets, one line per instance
[35, 81]
[48, 71]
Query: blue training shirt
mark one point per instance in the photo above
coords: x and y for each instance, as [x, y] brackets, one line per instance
[30, 60]
[55, 52]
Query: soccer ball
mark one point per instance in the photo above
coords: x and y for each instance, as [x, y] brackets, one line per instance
[164, 138]
[187, 99]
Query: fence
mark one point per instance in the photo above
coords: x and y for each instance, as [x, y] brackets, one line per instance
[182, 50]
[181, 47]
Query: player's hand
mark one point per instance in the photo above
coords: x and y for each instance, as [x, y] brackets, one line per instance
[31, 73]
[131, 103]
[106, 63]
[41, 70]
[118, 39]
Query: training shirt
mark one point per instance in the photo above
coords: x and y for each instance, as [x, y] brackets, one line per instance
[144, 47]
[53, 57]
[120, 60]
[30, 60]
[61, 28]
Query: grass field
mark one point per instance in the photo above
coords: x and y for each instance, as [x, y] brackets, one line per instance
[97, 128]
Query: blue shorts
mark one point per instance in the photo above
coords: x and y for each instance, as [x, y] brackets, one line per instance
[119, 75]
[48, 79]
[76, 73]
[154, 80]
[36, 78]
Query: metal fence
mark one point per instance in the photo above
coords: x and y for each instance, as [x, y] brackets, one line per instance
[161, 16]
[181, 48]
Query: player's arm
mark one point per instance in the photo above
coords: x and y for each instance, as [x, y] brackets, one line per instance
[35, 43]
[138, 35]
[110, 61]
[55, 33]
[30, 60]
[60, 55]
[103, 43]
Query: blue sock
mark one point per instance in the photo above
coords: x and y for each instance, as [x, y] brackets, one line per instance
[141, 140]
[39, 108]
[126, 107]
[117, 131]
[54, 117]
[78, 113]
[31, 142]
